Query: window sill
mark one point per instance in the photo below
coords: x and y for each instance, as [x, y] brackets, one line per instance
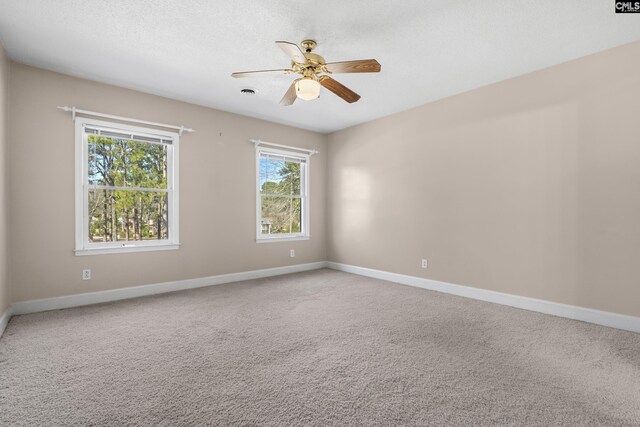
[281, 239]
[126, 249]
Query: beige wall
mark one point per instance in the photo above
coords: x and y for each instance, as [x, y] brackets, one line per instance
[4, 96]
[217, 190]
[530, 186]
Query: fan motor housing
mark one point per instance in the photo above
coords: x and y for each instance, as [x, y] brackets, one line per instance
[314, 59]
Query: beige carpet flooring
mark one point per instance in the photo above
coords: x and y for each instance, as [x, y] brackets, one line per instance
[321, 348]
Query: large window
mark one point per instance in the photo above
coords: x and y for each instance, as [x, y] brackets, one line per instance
[126, 188]
[282, 195]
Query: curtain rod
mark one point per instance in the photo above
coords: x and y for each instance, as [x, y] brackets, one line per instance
[258, 142]
[75, 111]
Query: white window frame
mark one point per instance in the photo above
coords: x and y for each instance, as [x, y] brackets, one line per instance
[304, 189]
[83, 245]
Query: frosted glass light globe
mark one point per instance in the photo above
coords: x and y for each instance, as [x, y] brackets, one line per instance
[307, 88]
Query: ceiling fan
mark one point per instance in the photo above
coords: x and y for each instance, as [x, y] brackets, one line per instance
[314, 71]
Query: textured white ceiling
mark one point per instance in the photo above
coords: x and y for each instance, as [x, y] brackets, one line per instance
[187, 49]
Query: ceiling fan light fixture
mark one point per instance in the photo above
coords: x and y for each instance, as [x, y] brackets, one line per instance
[315, 72]
[307, 88]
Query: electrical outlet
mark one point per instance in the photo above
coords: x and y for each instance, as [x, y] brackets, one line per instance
[86, 274]
[292, 253]
[424, 263]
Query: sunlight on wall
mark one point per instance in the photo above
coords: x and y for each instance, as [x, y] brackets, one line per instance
[355, 195]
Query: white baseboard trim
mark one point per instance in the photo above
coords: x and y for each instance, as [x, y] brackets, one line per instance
[34, 306]
[613, 320]
[604, 318]
[4, 320]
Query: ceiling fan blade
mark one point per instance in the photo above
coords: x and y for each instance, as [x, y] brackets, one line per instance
[282, 72]
[293, 51]
[359, 66]
[290, 96]
[339, 89]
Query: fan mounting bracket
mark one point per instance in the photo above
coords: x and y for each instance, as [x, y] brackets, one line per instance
[308, 45]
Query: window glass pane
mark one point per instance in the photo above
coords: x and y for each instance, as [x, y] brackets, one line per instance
[126, 163]
[101, 168]
[264, 163]
[279, 176]
[125, 215]
[276, 164]
[281, 215]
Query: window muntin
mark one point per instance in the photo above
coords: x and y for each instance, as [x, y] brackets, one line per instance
[282, 202]
[127, 188]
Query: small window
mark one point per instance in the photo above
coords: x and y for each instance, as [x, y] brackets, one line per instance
[126, 188]
[282, 195]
